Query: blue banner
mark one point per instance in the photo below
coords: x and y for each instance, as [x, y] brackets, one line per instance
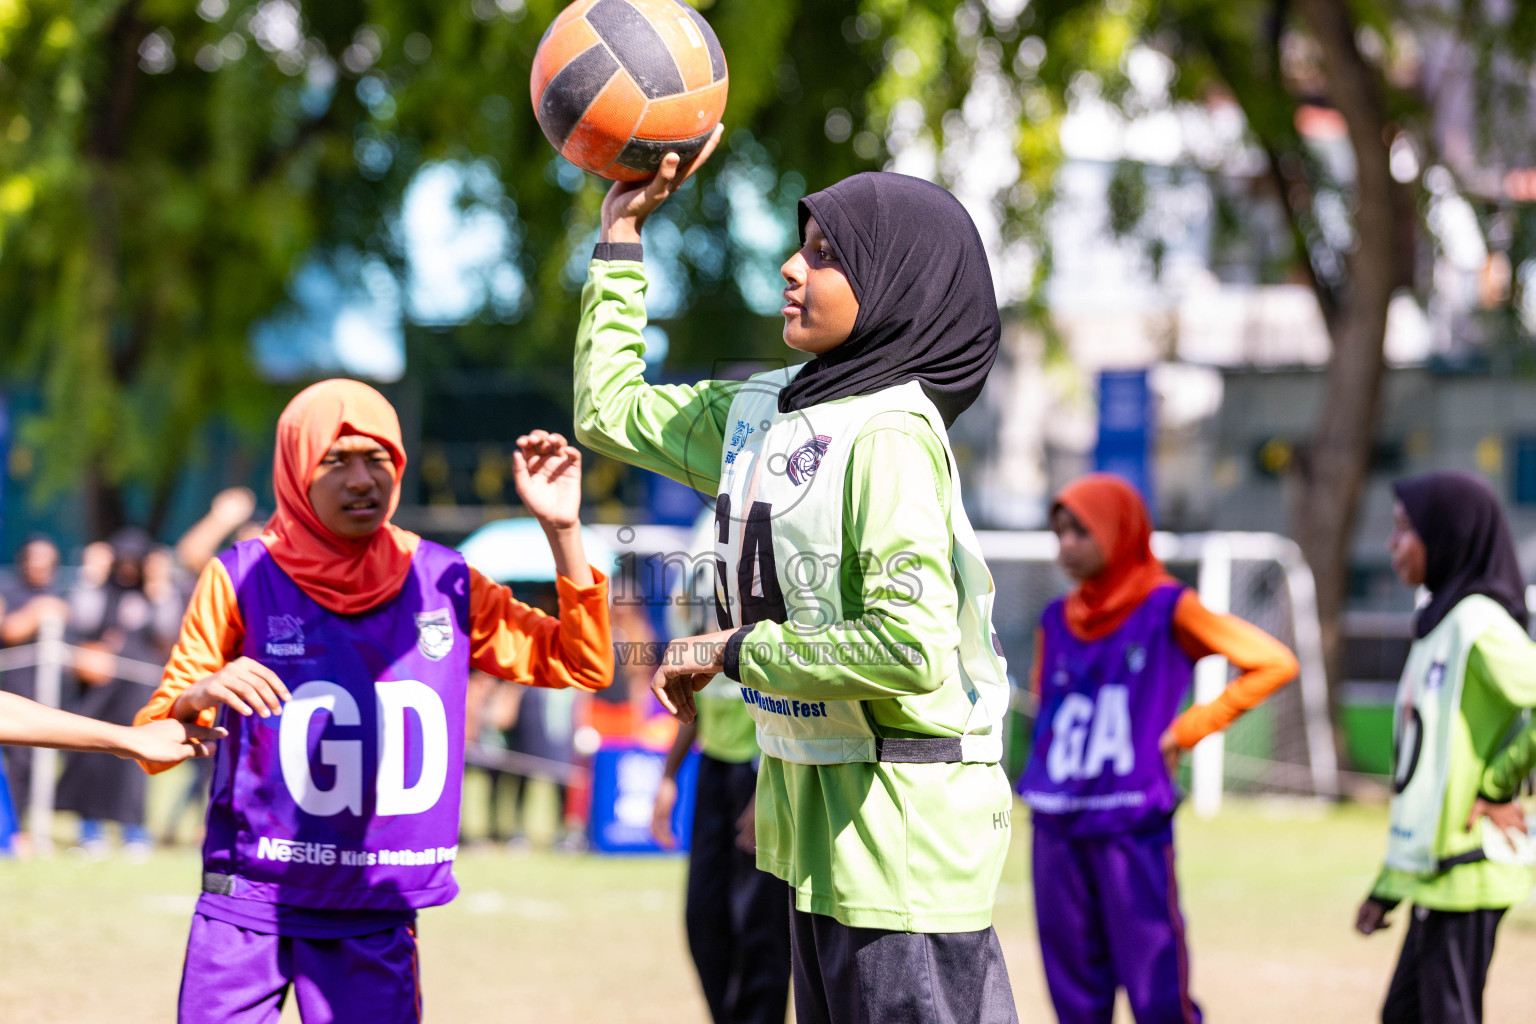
[1126, 428]
[9, 824]
[624, 779]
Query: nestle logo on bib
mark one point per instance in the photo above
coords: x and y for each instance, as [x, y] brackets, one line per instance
[804, 460]
[285, 636]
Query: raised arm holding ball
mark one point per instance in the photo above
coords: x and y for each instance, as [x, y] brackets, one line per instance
[879, 800]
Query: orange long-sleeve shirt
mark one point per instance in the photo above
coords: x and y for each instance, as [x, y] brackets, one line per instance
[1266, 665]
[507, 639]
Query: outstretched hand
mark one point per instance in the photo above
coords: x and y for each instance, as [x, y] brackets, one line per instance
[547, 473]
[168, 741]
[629, 203]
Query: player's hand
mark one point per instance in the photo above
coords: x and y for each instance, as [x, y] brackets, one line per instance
[661, 812]
[1371, 917]
[746, 828]
[629, 203]
[244, 684]
[1508, 817]
[233, 506]
[1171, 751]
[168, 741]
[547, 473]
[687, 666]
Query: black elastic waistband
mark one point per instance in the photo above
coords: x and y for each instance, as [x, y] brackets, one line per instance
[927, 750]
[1470, 857]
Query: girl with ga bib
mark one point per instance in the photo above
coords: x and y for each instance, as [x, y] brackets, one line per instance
[1113, 663]
[336, 649]
[855, 608]
[1471, 672]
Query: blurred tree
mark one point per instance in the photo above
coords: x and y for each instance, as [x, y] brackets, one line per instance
[1355, 230]
[166, 166]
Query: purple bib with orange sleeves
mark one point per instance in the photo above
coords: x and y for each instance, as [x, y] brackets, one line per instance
[349, 800]
[1094, 767]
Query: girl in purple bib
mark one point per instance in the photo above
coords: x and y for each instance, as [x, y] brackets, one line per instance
[336, 650]
[1113, 663]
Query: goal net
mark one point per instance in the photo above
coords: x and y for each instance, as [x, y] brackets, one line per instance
[1283, 746]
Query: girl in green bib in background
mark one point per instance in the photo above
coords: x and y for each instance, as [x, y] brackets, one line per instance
[855, 608]
[1470, 673]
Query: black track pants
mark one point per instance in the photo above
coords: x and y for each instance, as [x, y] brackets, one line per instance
[1443, 967]
[737, 916]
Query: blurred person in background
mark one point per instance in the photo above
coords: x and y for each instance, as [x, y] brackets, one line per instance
[231, 516]
[490, 709]
[1471, 674]
[737, 916]
[131, 611]
[632, 676]
[1113, 664]
[542, 725]
[531, 735]
[30, 595]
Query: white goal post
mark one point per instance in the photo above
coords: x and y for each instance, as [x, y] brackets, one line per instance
[1216, 558]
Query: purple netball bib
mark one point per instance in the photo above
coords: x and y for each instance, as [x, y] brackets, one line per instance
[349, 799]
[1104, 703]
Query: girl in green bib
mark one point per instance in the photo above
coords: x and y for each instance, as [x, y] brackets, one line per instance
[854, 606]
[1470, 673]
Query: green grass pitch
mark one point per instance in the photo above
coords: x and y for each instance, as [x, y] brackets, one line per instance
[1269, 891]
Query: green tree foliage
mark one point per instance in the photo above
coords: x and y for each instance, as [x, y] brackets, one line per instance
[1380, 67]
[165, 166]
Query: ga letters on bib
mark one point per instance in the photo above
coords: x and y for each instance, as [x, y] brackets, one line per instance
[1095, 766]
[349, 799]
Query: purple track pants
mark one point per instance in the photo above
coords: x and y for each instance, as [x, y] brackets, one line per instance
[1108, 913]
[236, 976]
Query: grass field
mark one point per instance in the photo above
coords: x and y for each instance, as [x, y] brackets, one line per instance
[1269, 891]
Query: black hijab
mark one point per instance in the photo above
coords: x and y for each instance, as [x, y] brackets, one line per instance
[926, 307]
[1467, 543]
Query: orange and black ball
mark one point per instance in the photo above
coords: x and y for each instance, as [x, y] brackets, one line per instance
[618, 84]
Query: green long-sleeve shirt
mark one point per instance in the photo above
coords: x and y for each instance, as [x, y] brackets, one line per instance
[1511, 766]
[895, 846]
[1500, 682]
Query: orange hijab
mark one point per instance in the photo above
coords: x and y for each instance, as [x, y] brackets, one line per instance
[345, 576]
[1116, 518]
